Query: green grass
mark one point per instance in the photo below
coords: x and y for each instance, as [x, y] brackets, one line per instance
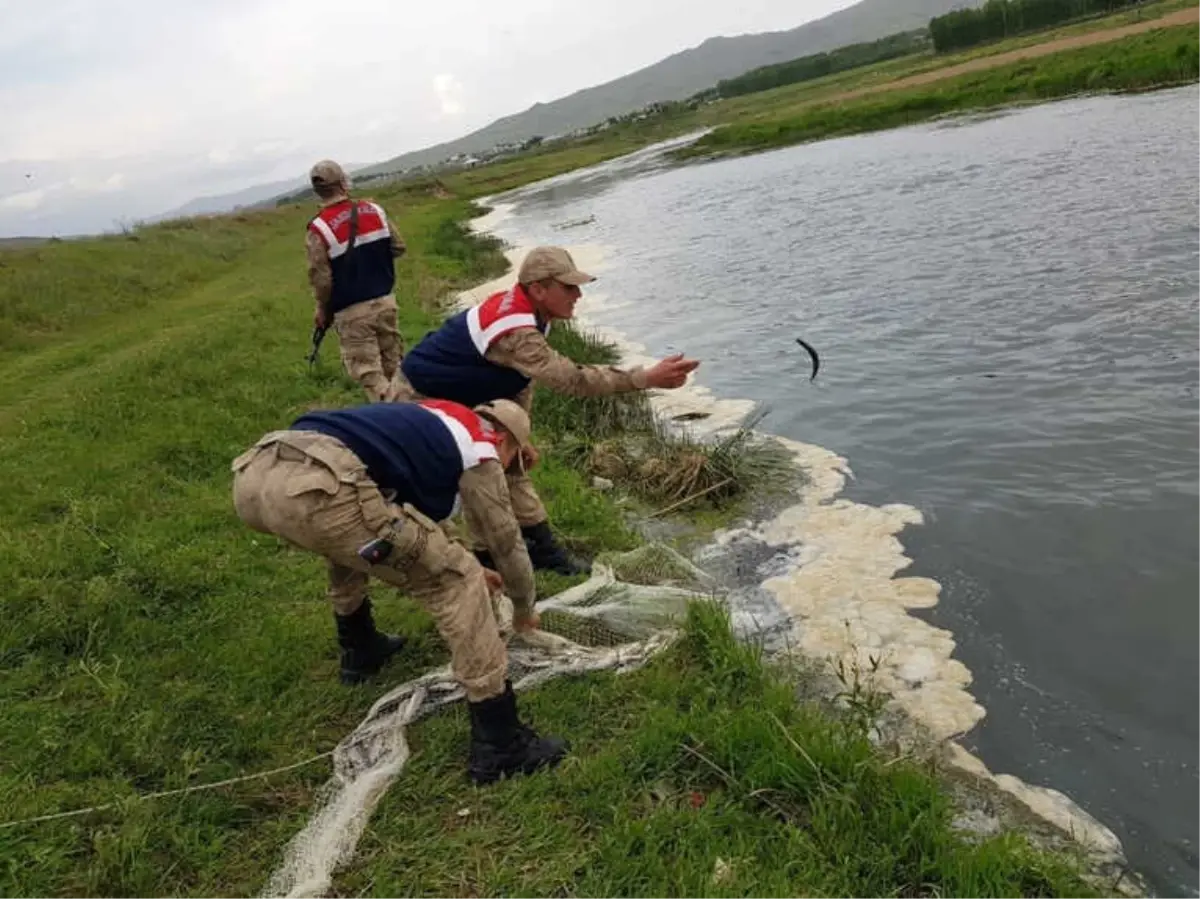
[791, 99]
[61, 286]
[699, 776]
[820, 65]
[149, 641]
[1006, 18]
[619, 438]
[1155, 59]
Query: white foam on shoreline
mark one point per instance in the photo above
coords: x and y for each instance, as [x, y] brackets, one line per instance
[842, 593]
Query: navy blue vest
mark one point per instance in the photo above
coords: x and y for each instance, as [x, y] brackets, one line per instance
[449, 363]
[369, 271]
[419, 450]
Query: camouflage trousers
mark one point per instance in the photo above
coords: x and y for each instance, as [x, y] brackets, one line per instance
[371, 346]
[312, 491]
[526, 504]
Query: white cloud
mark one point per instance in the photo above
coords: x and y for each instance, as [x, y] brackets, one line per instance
[25, 201]
[449, 93]
[85, 184]
[271, 148]
[204, 98]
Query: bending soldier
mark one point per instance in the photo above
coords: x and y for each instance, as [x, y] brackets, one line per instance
[365, 488]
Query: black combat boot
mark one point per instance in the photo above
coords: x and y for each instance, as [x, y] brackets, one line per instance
[545, 553]
[502, 746]
[364, 649]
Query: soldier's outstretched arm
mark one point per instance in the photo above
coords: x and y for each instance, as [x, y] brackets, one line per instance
[488, 511]
[528, 352]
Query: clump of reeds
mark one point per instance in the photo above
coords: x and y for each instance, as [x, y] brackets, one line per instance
[619, 438]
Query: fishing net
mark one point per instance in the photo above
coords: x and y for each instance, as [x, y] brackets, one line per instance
[618, 619]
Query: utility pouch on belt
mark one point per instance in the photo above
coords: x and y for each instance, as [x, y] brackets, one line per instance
[402, 541]
[376, 551]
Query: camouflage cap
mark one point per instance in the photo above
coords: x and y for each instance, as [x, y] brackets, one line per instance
[551, 262]
[509, 416]
[327, 173]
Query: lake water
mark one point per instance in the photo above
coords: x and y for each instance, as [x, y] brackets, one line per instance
[1006, 310]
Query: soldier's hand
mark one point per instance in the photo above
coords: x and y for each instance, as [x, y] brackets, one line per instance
[523, 623]
[320, 318]
[671, 372]
[495, 583]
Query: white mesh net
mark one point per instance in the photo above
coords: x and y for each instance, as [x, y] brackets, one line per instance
[617, 620]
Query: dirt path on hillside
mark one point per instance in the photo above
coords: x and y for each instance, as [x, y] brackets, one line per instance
[1181, 17]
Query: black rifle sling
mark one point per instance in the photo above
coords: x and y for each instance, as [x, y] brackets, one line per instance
[353, 233]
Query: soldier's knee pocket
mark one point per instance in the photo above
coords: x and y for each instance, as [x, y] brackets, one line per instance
[315, 479]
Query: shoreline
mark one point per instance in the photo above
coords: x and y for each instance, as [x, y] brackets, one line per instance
[225, 712]
[843, 597]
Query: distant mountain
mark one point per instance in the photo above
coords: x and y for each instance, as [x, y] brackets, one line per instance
[688, 72]
[249, 196]
[677, 77]
[258, 195]
[21, 243]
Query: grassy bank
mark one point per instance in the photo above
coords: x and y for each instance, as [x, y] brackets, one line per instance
[1005, 18]
[820, 65]
[90, 280]
[1155, 59]
[698, 776]
[883, 77]
[149, 641]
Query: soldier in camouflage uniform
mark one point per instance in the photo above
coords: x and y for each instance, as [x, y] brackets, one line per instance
[366, 488]
[353, 284]
[498, 349]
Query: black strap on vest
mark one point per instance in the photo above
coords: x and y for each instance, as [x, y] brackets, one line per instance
[353, 229]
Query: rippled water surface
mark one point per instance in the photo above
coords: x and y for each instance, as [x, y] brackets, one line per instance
[1006, 310]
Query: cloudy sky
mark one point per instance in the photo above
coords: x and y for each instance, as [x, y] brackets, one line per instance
[115, 110]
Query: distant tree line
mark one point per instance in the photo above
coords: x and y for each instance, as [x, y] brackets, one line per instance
[806, 68]
[1004, 18]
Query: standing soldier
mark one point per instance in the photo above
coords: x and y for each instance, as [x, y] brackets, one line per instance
[351, 251]
[498, 350]
[365, 488]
